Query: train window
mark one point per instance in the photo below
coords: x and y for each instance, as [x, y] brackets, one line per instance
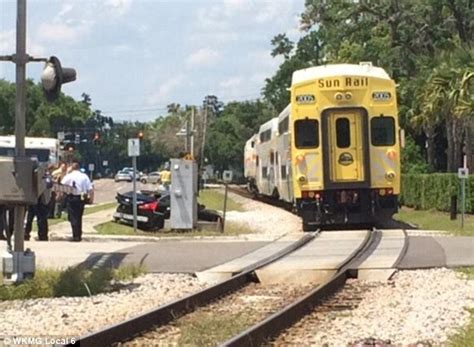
[283, 126]
[283, 172]
[382, 130]
[307, 133]
[264, 172]
[252, 144]
[256, 161]
[343, 133]
[272, 157]
[265, 136]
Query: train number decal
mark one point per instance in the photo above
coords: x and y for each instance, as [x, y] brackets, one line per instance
[305, 99]
[381, 96]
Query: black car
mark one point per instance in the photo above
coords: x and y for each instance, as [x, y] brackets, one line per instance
[151, 209]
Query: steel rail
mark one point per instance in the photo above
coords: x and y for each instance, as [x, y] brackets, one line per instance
[272, 326]
[164, 314]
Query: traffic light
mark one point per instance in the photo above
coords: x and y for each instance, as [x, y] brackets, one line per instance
[53, 76]
[140, 135]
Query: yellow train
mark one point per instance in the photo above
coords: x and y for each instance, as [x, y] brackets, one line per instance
[334, 152]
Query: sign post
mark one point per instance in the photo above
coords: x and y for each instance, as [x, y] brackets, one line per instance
[91, 170]
[134, 152]
[463, 174]
[227, 177]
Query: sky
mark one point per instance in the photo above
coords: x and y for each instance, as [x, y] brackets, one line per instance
[134, 57]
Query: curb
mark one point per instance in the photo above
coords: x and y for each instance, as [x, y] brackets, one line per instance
[137, 238]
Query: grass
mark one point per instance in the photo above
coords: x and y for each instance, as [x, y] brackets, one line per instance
[465, 337]
[113, 228]
[101, 207]
[214, 199]
[207, 328]
[436, 220]
[88, 210]
[74, 281]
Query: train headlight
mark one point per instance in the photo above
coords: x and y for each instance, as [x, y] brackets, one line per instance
[302, 179]
[392, 154]
[390, 175]
[338, 96]
[348, 96]
[299, 158]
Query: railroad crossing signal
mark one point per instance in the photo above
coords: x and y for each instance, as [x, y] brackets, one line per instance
[54, 76]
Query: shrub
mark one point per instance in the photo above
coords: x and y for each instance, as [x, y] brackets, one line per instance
[434, 191]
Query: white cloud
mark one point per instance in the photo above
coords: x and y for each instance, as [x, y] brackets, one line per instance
[61, 32]
[7, 41]
[118, 7]
[231, 83]
[8, 44]
[203, 57]
[163, 95]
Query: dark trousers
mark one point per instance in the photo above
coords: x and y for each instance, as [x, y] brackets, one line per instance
[75, 210]
[6, 224]
[40, 211]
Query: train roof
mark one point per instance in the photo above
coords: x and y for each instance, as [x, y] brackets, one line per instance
[363, 69]
[285, 112]
[271, 124]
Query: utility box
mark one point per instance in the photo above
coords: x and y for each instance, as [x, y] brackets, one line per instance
[22, 181]
[184, 179]
[14, 262]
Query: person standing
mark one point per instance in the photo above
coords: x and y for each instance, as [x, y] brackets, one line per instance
[60, 202]
[40, 211]
[82, 193]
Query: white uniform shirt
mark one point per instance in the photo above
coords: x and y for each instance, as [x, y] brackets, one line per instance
[78, 180]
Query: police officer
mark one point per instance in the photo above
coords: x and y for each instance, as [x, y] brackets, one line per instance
[40, 211]
[82, 193]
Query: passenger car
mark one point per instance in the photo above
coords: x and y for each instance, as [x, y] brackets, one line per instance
[130, 171]
[152, 210]
[151, 213]
[152, 177]
[123, 176]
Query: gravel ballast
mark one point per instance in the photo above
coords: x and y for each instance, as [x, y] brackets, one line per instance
[75, 316]
[423, 306]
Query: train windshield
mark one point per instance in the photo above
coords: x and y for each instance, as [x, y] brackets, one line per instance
[382, 131]
[307, 133]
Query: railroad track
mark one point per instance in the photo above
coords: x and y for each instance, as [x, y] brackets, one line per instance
[263, 332]
[270, 328]
[127, 330]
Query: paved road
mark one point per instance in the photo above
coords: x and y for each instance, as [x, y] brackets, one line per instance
[438, 251]
[106, 189]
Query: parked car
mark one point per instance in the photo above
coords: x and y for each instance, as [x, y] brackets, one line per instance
[123, 176]
[130, 171]
[152, 177]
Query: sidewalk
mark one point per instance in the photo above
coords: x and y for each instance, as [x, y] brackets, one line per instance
[62, 231]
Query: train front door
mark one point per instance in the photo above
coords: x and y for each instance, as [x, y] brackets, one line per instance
[346, 151]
